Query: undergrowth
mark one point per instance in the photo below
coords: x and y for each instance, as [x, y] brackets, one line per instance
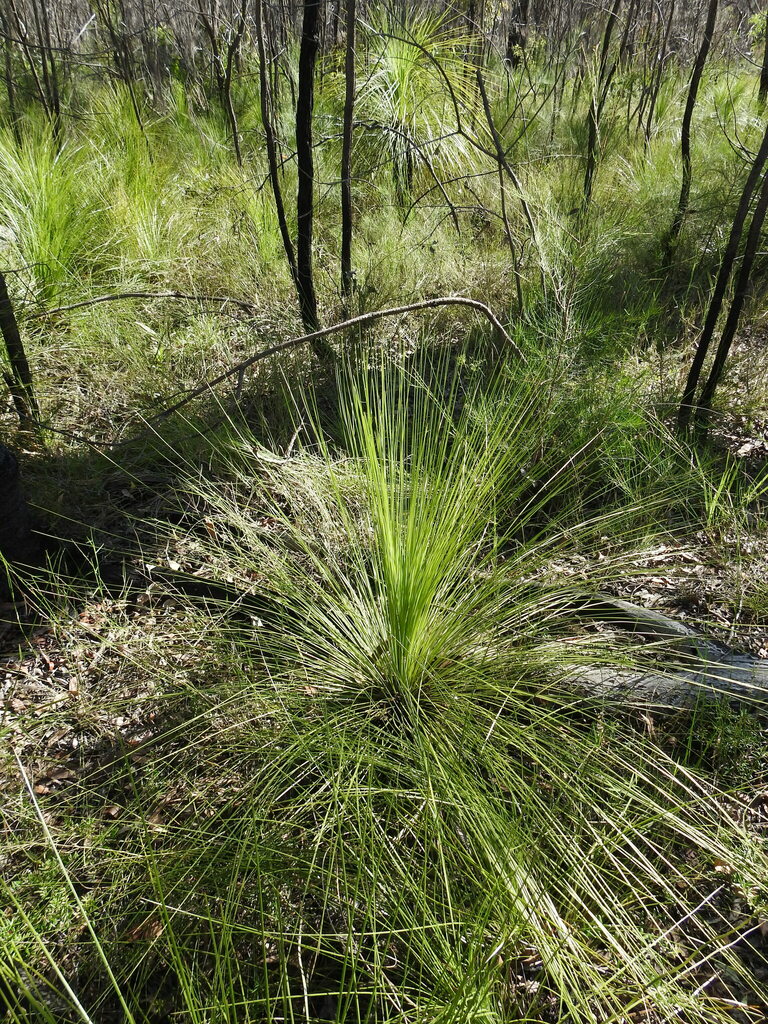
[372, 795]
[321, 756]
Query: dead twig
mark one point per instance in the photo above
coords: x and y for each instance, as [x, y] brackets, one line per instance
[119, 296]
[239, 369]
[355, 321]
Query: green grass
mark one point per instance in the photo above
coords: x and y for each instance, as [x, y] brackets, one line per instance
[355, 785]
[379, 801]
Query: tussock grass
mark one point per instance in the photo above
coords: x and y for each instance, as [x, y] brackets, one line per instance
[379, 801]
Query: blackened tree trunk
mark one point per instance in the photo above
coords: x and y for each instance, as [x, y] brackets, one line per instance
[763, 93]
[739, 297]
[265, 95]
[18, 544]
[304, 202]
[685, 134]
[602, 88]
[19, 379]
[347, 279]
[517, 37]
[721, 284]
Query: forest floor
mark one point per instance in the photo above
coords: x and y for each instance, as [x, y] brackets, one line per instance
[79, 700]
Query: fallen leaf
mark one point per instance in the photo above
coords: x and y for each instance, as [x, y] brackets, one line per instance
[150, 928]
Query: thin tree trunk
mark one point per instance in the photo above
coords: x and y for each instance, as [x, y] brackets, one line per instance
[721, 284]
[685, 133]
[19, 380]
[501, 161]
[223, 69]
[659, 75]
[21, 32]
[306, 171]
[9, 84]
[123, 63]
[47, 63]
[269, 138]
[504, 163]
[763, 92]
[517, 37]
[232, 51]
[598, 102]
[347, 278]
[737, 305]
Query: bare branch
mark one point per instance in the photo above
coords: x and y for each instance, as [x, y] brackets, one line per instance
[356, 321]
[119, 296]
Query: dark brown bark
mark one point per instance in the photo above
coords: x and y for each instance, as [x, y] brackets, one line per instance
[347, 278]
[685, 133]
[19, 379]
[306, 172]
[737, 304]
[721, 284]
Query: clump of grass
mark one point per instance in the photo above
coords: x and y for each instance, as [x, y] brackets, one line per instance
[52, 212]
[402, 814]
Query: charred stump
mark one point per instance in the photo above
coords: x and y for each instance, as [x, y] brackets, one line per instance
[18, 543]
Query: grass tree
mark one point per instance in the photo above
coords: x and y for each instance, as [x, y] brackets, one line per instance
[418, 812]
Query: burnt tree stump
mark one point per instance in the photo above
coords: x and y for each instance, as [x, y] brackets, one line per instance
[18, 544]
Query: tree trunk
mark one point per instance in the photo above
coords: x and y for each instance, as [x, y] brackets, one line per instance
[739, 297]
[304, 201]
[347, 279]
[723, 277]
[48, 62]
[19, 380]
[517, 37]
[265, 96]
[233, 49]
[598, 102]
[763, 93]
[685, 134]
[18, 545]
[9, 83]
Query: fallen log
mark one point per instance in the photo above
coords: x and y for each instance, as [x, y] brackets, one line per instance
[687, 667]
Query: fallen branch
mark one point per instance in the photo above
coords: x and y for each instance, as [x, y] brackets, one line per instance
[240, 368]
[356, 321]
[119, 296]
[690, 667]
